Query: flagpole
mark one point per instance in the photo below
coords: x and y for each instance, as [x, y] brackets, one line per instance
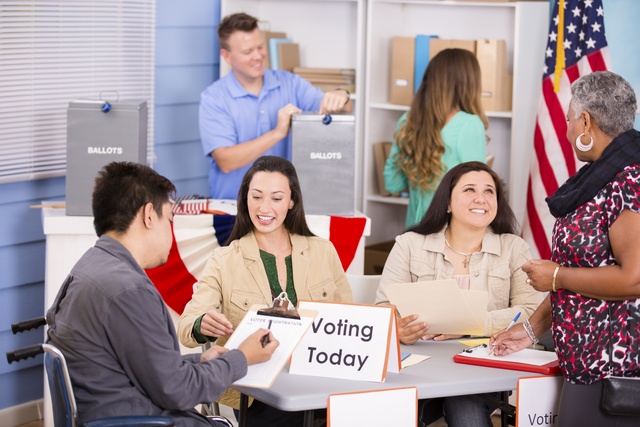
[560, 62]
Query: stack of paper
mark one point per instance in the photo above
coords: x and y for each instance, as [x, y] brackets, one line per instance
[329, 79]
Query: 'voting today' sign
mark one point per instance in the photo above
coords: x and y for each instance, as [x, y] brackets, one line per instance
[348, 341]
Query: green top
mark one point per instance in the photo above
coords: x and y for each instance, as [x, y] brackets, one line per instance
[464, 140]
[269, 262]
[271, 269]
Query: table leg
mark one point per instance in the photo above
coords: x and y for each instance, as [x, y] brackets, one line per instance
[308, 418]
[242, 416]
[507, 412]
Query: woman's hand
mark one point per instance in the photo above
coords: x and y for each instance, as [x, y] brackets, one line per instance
[215, 324]
[540, 274]
[509, 341]
[442, 337]
[409, 334]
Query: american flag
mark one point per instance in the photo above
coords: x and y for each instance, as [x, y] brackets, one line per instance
[578, 27]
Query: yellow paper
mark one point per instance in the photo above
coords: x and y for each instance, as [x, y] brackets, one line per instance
[474, 342]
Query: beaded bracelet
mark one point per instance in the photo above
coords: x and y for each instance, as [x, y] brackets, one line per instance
[529, 330]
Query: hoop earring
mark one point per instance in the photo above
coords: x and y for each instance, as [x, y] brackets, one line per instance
[581, 146]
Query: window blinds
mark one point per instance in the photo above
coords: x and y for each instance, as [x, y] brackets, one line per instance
[53, 52]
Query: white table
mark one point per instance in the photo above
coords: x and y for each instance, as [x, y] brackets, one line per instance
[438, 376]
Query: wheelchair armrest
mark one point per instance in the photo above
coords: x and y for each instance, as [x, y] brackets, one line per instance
[132, 421]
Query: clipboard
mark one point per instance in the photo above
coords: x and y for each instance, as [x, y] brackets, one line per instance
[287, 329]
[445, 307]
[528, 360]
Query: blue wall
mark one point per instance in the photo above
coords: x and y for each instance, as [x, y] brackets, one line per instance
[187, 62]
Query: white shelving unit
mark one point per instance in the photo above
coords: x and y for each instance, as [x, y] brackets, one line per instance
[522, 24]
[331, 34]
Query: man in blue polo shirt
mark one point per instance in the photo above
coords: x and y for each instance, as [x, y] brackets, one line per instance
[247, 113]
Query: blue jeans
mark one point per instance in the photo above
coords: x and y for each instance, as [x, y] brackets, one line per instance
[469, 411]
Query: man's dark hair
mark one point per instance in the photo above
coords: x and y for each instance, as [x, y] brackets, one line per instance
[121, 189]
[235, 22]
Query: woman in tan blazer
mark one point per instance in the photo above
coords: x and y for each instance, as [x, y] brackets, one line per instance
[271, 249]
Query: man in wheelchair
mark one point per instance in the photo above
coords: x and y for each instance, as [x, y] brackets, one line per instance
[111, 324]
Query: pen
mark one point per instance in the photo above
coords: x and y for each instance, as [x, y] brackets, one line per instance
[513, 322]
[265, 338]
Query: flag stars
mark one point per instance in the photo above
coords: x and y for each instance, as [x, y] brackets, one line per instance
[571, 28]
[567, 44]
[600, 11]
[581, 35]
[587, 3]
[549, 52]
[576, 11]
[591, 43]
[596, 27]
[553, 36]
[578, 52]
[585, 19]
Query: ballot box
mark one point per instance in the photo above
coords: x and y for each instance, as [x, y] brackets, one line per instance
[323, 150]
[98, 133]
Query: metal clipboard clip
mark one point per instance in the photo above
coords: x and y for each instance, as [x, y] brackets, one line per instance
[281, 307]
[475, 347]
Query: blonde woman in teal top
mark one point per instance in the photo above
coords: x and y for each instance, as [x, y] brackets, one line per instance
[444, 127]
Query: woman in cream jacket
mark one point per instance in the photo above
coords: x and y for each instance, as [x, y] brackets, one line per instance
[270, 250]
[467, 234]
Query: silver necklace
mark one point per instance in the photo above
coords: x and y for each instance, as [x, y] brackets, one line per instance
[466, 255]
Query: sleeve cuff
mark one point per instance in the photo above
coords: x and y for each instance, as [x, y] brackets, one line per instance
[199, 337]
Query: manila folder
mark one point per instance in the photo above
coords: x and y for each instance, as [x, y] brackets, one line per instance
[445, 307]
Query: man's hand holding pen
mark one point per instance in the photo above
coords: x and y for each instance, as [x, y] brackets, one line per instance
[265, 338]
[253, 349]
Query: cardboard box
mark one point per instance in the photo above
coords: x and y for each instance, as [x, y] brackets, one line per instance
[436, 45]
[267, 36]
[380, 156]
[381, 152]
[329, 79]
[496, 81]
[402, 69]
[375, 256]
[288, 56]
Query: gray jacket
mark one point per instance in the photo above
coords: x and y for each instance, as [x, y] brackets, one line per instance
[121, 347]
